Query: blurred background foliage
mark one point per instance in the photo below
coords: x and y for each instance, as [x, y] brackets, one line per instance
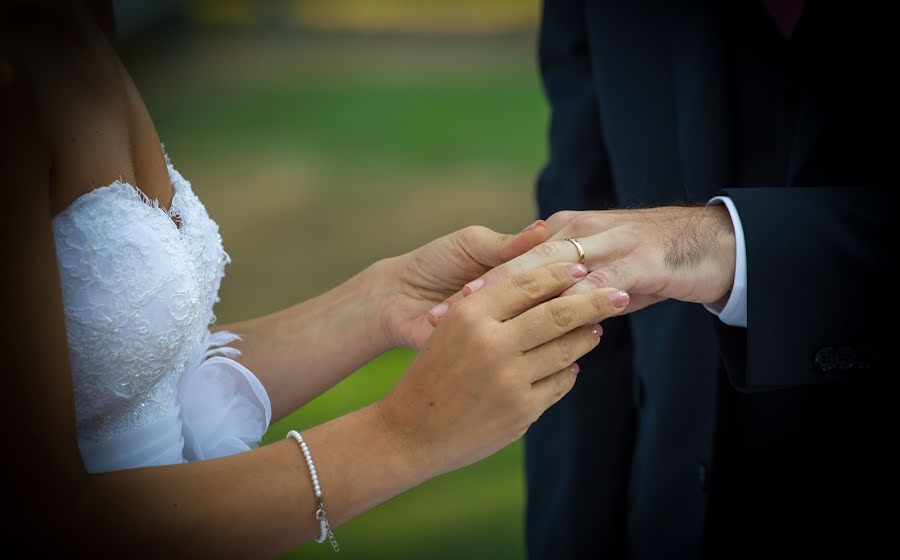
[325, 134]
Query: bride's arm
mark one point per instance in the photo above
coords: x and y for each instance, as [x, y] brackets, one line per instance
[493, 365]
[300, 351]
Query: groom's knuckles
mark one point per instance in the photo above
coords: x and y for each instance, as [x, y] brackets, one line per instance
[579, 225]
[558, 220]
[593, 281]
[568, 223]
[547, 251]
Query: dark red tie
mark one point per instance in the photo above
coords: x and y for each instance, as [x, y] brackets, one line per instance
[785, 14]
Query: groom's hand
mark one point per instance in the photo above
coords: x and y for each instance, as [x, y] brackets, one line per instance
[684, 253]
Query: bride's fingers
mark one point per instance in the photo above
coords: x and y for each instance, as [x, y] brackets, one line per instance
[524, 241]
[558, 316]
[549, 390]
[598, 249]
[525, 290]
[508, 247]
[619, 276]
[435, 314]
[561, 352]
[546, 253]
[439, 310]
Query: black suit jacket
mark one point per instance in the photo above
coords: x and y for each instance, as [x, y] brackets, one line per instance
[685, 436]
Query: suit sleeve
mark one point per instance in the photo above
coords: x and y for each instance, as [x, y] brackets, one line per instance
[819, 294]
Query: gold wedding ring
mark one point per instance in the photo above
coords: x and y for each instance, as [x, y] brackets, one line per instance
[580, 249]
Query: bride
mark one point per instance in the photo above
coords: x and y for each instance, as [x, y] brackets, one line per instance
[141, 421]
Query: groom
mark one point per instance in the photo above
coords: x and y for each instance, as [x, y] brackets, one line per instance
[767, 429]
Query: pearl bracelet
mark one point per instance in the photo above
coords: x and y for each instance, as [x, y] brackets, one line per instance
[324, 525]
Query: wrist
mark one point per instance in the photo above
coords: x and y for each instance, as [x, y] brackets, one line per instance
[377, 291]
[399, 429]
[384, 280]
[724, 253]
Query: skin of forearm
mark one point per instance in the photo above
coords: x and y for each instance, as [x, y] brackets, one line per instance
[299, 352]
[256, 504]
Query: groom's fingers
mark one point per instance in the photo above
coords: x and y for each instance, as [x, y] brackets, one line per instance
[598, 249]
[559, 220]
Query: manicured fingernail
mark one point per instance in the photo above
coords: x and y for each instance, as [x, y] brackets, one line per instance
[597, 330]
[532, 226]
[439, 310]
[576, 270]
[619, 299]
[474, 285]
[575, 368]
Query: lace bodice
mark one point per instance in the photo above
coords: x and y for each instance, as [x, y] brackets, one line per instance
[139, 285]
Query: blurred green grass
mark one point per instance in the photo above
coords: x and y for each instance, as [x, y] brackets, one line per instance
[435, 123]
[319, 154]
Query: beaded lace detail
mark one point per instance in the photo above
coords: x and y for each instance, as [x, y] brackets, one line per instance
[139, 284]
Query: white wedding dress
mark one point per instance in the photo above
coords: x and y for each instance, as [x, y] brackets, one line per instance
[152, 385]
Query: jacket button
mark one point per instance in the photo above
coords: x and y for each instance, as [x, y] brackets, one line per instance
[847, 358]
[826, 360]
[843, 359]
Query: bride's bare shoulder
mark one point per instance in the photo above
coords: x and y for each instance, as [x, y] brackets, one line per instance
[85, 106]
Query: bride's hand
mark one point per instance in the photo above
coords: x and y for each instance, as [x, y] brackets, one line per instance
[423, 278]
[497, 360]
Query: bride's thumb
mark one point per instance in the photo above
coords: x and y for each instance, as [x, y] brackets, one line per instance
[492, 249]
[511, 246]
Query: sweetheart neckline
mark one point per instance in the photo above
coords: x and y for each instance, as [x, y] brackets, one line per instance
[171, 215]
